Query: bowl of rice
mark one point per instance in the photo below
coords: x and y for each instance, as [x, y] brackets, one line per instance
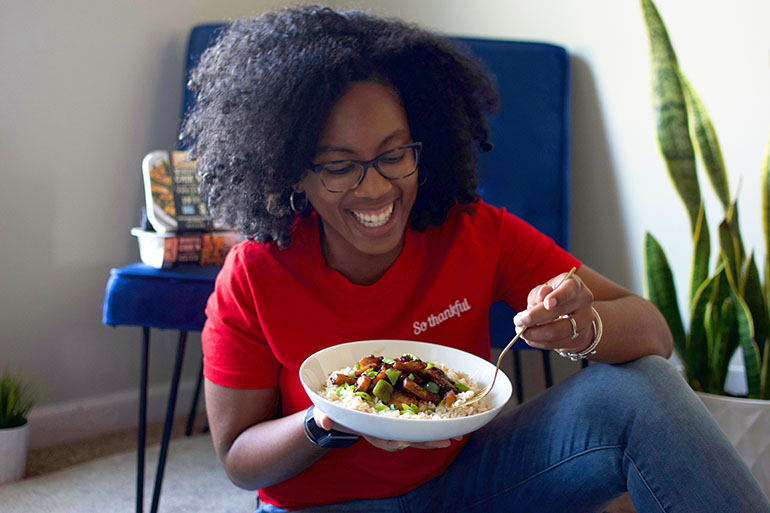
[421, 422]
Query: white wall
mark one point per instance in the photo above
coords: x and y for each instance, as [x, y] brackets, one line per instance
[87, 88]
[620, 187]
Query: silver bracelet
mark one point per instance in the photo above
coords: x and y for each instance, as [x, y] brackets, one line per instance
[596, 324]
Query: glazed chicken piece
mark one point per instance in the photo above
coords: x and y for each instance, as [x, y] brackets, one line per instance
[370, 360]
[380, 375]
[398, 398]
[409, 365]
[341, 379]
[361, 370]
[363, 383]
[419, 377]
[444, 383]
[413, 388]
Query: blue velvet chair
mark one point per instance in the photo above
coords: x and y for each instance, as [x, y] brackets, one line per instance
[527, 172]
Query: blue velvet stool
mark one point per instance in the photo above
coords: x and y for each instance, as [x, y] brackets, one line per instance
[140, 295]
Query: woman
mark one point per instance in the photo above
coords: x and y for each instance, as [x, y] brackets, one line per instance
[345, 145]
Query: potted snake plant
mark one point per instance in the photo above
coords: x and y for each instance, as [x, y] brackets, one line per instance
[16, 400]
[727, 301]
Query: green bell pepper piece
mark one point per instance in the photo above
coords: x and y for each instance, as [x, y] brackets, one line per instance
[383, 390]
[431, 387]
[393, 375]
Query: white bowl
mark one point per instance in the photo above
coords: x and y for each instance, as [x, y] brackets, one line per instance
[316, 369]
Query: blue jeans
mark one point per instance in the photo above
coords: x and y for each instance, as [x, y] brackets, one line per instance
[582, 443]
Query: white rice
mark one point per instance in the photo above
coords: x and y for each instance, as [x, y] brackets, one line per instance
[346, 397]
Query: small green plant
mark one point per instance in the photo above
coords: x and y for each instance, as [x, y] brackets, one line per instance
[16, 399]
[728, 307]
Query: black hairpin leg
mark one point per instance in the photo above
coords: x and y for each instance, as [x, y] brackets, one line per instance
[142, 427]
[194, 406]
[171, 406]
[547, 367]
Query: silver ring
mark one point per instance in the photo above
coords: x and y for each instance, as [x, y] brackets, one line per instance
[574, 333]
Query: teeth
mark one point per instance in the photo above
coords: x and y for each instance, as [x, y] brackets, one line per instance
[374, 220]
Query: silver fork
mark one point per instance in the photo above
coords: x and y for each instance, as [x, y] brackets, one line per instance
[483, 393]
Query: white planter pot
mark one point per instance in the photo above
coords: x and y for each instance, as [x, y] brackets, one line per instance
[746, 422]
[13, 452]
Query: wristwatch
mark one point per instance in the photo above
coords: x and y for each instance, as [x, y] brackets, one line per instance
[332, 439]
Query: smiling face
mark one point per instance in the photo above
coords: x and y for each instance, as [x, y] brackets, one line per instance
[364, 227]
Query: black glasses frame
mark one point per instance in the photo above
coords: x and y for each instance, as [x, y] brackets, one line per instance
[366, 164]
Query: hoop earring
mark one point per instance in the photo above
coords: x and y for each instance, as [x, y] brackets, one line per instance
[303, 202]
[423, 178]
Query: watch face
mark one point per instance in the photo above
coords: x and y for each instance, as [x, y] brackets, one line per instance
[338, 439]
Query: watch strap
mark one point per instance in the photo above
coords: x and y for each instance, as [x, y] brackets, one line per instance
[332, 439]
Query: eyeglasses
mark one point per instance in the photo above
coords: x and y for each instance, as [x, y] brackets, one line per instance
[345, 175]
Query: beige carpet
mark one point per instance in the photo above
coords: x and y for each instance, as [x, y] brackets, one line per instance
[194, 482]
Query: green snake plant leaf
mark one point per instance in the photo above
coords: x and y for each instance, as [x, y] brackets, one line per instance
[725, 340]
[731, 250]
[723, 346]
[745, 325]
[711, 327]
[695, 354]
[750, 290]
[766, 285]
[701, 253]
[706, 142]
[766, 288]
[731, 216]
[670, 112]
[660, 289]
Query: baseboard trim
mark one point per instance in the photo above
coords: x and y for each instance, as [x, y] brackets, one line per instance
[66, 422]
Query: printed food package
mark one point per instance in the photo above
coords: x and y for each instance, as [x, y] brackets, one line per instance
[163, 250]
[179, 229]
[171, 193]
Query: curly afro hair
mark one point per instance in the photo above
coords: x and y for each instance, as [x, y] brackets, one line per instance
[265, 87]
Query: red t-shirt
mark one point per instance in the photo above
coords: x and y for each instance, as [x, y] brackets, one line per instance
[273, 307]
